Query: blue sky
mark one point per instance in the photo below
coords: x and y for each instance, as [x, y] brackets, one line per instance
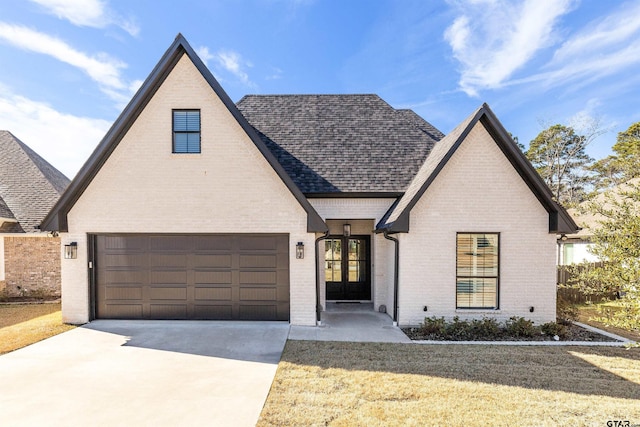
[68, 67]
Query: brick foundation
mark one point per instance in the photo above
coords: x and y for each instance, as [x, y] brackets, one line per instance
[32, 266]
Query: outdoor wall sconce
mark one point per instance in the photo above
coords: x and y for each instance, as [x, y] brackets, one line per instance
[531, 309]
[300, 250]
[346, 230]
[71, 250]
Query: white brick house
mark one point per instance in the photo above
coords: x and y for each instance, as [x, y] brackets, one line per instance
[193, 207]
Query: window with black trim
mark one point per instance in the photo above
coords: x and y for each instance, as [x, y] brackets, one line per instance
[186, 131]
[477, 270]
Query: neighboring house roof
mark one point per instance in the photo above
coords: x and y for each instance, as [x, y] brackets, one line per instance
[56, 220]
[341, 143]
[29, 185]
[396, 219]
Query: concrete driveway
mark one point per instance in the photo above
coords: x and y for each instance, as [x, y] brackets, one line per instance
[124, 373]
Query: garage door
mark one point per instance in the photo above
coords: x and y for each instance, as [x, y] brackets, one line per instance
[212, 277]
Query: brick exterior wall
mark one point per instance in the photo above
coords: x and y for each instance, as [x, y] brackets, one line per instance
[32, 266]
[478, 191]
[228, 188]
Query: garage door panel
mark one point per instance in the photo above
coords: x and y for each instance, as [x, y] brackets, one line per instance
[128, 243]
[258, 261]
[169, 243]
[218, 312]
[213, 294]
[212, 261]
[157, 277]
[258, 243]
[192, 277]
[258, 312]
[123, 311]
[168, 260]
[168, 293]
[258, 294]
[168, 311]
[212, 277]
[132, 293]
[258, 277]
[220, 243]
[116, 277]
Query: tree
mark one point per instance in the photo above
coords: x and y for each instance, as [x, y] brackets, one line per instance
[624, 164]
[558, 154]
[617, 243]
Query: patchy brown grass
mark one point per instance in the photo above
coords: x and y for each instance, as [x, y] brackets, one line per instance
[347, 384]
[586, 314]
[25, 324]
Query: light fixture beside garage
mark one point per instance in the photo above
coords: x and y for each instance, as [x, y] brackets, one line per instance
[300, 250]
[71, 250]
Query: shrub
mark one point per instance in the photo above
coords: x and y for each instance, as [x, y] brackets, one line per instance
[459, 330]
[486, 328]
[520, 327]
[553, 328]
[433, 326]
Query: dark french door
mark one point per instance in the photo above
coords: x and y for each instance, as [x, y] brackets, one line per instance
[347, 268]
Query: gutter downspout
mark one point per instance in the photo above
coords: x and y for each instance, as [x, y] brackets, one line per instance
[318, 306]
[395, 276]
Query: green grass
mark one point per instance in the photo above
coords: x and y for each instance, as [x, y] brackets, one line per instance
[367, 384]
[25, 324]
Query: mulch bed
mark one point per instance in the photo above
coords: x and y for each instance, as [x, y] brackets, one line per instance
[573, 333]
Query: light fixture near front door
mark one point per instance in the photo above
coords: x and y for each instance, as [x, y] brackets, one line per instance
[346, 230]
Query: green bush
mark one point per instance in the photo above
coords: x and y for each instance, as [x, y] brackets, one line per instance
[520, 327]
[433, 326]
[486, 328]
[459, 330]
[552, 328]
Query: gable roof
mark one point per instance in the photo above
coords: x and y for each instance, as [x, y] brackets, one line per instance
[396, 220]
[56, 220]
[29, 185]
[342, 143]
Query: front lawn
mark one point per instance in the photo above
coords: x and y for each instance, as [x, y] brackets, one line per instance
[587, 313]
[24, 324]
[372, 384]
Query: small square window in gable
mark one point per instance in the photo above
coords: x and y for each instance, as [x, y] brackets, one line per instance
[186, 131]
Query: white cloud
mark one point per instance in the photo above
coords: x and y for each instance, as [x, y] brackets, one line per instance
[103, 69]
[494, 39]
[204, 54]
[64, 140]
[229, 61]
[88, 13]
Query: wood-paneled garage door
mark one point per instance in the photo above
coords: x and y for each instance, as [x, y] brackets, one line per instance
[213, 277]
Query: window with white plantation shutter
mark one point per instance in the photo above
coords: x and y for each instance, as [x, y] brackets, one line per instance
[186, 131]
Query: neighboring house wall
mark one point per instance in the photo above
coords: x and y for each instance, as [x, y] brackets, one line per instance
[478, 191]
[363, 215]
[576, 253]
[31, 265]
[228, 188]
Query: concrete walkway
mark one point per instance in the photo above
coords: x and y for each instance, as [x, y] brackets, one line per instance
[351, 322]
[125, 373]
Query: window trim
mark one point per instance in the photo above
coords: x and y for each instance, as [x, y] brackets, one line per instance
[174, 132]
[497, 276]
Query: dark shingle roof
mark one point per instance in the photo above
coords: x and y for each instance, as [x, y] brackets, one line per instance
[341, 143]
[29, 185]
[5, 212]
